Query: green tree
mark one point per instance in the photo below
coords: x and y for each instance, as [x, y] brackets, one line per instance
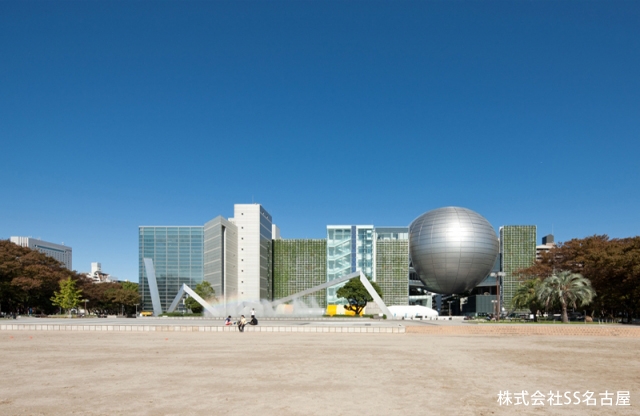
[205, 291]
[68, 297]
[568, 289]
[356, 294]
[127, 295]
[525, 297]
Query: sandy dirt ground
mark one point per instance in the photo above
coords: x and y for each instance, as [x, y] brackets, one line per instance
[122, 373]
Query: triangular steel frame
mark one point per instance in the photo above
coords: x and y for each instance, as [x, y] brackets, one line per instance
[184, 289]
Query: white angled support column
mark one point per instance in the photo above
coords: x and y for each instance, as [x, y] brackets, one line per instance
[376, 298]
[184, 289]
[153, 287]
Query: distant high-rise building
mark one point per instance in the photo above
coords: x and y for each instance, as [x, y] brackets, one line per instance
[517, 252]
[547, 244]
[59, 252]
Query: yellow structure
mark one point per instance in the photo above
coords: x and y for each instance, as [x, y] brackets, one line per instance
[340, 310]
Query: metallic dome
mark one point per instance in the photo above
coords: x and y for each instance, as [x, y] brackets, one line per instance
[452, 249]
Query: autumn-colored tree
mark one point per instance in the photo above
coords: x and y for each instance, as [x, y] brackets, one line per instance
[612, 266]
[103, 297]
[29, 278]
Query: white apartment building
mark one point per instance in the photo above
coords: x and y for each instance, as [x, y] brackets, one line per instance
[59, 252]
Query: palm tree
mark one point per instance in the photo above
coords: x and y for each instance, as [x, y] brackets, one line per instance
[567, 288]
[525, 297]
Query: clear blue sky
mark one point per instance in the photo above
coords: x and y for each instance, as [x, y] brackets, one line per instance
[120, 114]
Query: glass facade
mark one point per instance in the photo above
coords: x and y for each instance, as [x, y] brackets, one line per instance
[349, 249]
[177, 254]
[364, 250]
[266, 279]
[299, 265]
[517, 251]
[221, 257]
[339, 257]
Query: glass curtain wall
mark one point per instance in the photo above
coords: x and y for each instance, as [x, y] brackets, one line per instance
[364, 250]
[339, 257]
[177, 254]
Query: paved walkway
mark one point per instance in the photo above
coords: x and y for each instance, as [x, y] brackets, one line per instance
[344, 325]
[201, 325]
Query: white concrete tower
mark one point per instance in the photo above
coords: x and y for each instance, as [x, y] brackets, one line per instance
[254, 226]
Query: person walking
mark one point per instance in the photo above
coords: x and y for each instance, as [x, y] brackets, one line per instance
[241, 323]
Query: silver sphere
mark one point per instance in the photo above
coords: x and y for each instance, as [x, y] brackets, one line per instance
[452, 249]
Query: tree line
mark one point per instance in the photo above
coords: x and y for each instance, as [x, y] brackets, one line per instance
[30, 282]
[612, 266]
